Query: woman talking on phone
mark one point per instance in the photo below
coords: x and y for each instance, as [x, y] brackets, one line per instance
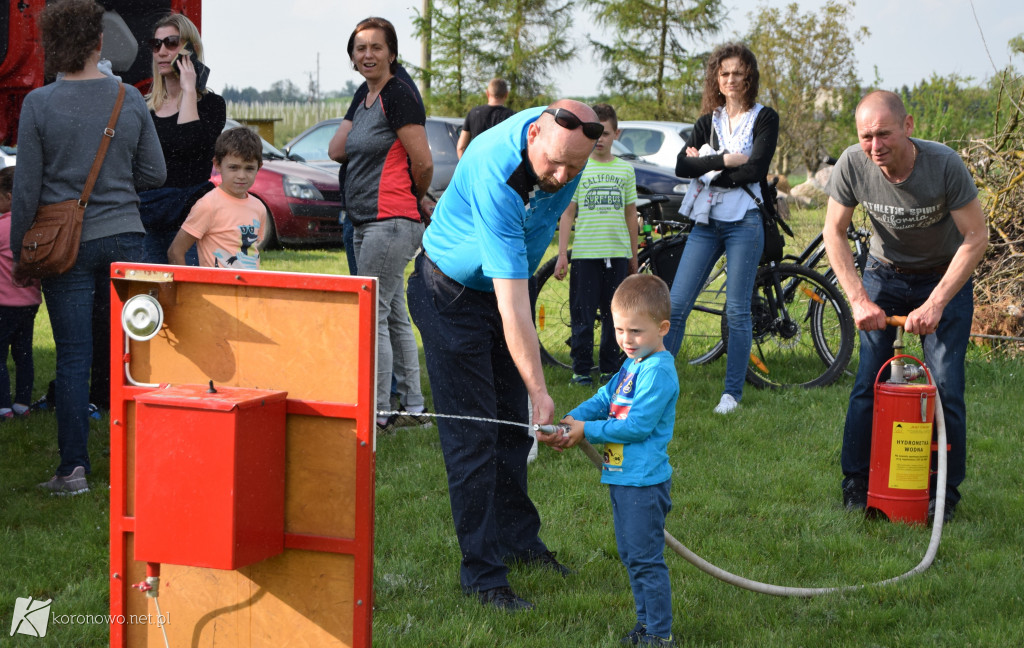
[188, 119]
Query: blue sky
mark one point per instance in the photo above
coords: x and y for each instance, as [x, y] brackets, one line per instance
[910, 39]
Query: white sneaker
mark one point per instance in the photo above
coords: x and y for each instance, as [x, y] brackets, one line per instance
[726, 405]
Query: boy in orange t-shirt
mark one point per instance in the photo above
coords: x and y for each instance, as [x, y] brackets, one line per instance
[225, 224]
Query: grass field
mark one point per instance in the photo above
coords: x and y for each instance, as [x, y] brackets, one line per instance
[756, 493]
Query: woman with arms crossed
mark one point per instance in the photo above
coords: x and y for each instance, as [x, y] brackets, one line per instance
[731, 147]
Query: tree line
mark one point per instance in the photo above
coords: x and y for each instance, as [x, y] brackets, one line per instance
[654, 66]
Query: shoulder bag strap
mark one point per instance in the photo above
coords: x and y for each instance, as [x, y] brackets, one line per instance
[108, 134]
[768, 216]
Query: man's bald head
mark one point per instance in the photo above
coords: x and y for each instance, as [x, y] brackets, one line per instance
[883, 100]
[557, 153]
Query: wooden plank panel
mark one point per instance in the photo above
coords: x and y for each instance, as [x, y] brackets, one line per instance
[320, 498]
[270, 338]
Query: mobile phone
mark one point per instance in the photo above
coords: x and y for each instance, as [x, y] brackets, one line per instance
[202, 72]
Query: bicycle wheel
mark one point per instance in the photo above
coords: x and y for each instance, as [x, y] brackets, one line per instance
[802, 328]
[703, 342]
[551, 315]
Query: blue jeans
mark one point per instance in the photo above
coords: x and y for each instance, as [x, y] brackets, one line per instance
[348, 231]
[78, 302]
[592, 283]
[944, 354]
[16, 328]
[472, 373]
[383, 250]
[639, 514]
[742, 243]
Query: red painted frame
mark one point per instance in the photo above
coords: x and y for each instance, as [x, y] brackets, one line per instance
[363, 412]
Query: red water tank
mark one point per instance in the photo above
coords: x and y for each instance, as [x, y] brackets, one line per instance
[901, 443]
[210, 470]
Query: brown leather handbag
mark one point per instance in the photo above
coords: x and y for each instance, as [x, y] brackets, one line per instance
[50, 246]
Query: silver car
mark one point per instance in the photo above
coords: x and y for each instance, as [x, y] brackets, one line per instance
[657, 142]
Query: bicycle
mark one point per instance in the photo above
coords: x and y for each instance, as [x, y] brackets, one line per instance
[812, 255]
[802, 325]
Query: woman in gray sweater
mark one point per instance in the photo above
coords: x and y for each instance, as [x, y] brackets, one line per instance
[58, 136]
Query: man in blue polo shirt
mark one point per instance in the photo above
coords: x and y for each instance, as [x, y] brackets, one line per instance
[469, 297]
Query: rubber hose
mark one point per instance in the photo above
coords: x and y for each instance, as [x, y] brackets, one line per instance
[781, 590]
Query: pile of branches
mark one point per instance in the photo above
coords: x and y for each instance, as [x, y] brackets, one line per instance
[997, 164]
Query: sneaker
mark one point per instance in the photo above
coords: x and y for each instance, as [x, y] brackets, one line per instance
[503, 598]
[94, 412]
[605, 377]
[547, 560]
[633, 638]
[855, 494]
[73, 484]
[6, 415]
[389, 426]
[41, 404]
[581, 379]
[726, 404]
[655, 640]
[948, 511]
[414, 419]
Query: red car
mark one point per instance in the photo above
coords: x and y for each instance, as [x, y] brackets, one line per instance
[303, 202]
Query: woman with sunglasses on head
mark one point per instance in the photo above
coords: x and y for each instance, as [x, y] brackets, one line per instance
[62, 125]
[389, 168]
[731, 146]
[188, 119]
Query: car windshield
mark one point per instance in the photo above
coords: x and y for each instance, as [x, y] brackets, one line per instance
[621, 150]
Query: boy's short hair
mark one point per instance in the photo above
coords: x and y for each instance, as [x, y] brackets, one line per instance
[239, 141]
[644, 294]
[7, 180]
[606, 113]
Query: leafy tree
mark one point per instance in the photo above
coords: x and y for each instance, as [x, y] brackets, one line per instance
[526, 41]
[454, 74]
[471, 41]
[648, 61]
[949, 109]
[1016, 44]
[808, 75]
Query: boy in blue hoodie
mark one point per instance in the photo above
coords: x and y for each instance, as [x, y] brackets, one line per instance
[633, 416]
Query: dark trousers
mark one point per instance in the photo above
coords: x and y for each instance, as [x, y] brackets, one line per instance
[472, 374]
[592, 282]
[16, 327]
[78, 302]
[944, 354]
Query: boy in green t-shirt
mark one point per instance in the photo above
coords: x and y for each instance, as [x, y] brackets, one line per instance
[604, 250]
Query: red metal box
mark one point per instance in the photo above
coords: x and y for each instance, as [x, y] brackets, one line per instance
[210, 471]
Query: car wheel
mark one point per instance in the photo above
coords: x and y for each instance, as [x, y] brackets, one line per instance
[268, 232]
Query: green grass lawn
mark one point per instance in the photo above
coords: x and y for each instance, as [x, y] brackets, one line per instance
[756, 493]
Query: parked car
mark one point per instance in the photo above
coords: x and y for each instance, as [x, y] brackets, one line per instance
[310, 146]
[652, 179]
[658, 142]
[303, 202]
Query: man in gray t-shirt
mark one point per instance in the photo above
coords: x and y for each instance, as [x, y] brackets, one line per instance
[929, 235]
